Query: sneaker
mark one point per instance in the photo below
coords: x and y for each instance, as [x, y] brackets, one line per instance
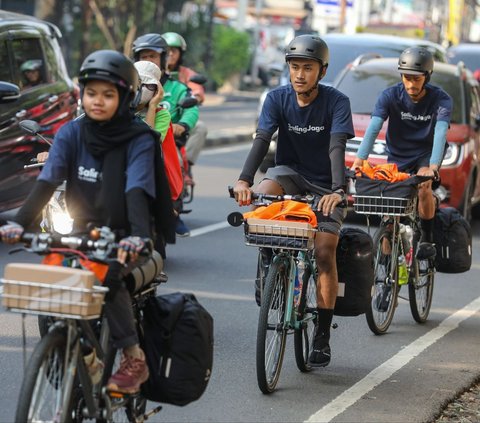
[382, 299]
[321, 353]
[181, 229]
[94, 366]
[131, 374]
[426, 250]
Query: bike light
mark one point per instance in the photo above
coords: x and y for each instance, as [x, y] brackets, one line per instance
[62, 222]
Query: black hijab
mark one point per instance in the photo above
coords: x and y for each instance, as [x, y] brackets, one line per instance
[108, 141]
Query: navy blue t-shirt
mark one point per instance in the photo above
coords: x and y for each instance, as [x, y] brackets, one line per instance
[411, 125]
[69, 160]
[304, 132]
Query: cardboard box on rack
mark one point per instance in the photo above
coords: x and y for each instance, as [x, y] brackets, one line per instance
[56, 294]
[281, 228]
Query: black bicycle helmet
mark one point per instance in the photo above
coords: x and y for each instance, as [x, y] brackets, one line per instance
[308, 47]
[111, 66]
[153, 42]
[416, 61]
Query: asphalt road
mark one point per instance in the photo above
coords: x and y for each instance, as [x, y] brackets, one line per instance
[403, 376]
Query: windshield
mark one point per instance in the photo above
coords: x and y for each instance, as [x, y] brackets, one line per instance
[471, 60]
[342, 55]
[363, 89]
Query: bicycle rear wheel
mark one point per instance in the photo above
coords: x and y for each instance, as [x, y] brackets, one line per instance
[271, 331]
[420, 289]
[307, 316]
[385, 288]
[42, 395]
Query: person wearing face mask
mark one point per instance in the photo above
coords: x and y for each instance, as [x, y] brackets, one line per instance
[313, 121]
[158, 117]
[112, 163]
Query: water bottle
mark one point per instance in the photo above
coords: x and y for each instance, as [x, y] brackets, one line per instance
[298, 281]
[402, 271]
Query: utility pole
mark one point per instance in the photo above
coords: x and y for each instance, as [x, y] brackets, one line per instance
[343, 13]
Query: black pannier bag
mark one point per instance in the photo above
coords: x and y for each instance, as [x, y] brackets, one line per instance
[178, 343]
[453, 241]
[355, 272]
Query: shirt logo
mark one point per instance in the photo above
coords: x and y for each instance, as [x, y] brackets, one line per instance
[89, 175]
[409, 116]
[304, 129]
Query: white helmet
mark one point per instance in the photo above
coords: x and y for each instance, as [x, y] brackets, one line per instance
[149, 74]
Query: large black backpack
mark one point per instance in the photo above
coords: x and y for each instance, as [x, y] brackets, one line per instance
[355, 272]
[453, 241]
[178, 343]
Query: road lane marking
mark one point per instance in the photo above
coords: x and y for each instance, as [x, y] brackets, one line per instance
[210, 228]
[395, 363]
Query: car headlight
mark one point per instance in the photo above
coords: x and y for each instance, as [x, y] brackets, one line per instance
[452, 155]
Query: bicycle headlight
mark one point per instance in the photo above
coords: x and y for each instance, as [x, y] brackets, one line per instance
[62, 222]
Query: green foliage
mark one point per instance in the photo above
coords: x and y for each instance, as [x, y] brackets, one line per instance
[230, 53]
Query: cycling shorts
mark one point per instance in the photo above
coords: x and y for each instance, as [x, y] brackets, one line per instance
[294, 183]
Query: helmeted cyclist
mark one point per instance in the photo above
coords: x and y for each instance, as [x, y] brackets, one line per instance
[418, 116]
[153, 47]
[108, 159]
[177, 47]
[313, 121]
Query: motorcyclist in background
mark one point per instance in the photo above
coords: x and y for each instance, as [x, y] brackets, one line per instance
[153, 47]
[177, 47]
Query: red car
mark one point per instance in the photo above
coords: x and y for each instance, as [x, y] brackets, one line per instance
[460, 171]
[30, 58]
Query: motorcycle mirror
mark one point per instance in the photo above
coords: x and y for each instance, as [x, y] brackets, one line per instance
[198, 79]
[235, 219]
[188, 102]
[33, 128]
[30, 126]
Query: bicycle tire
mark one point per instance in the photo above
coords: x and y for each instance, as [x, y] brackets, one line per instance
[271, 349]
[420, 289]
[44, 382]
[385, 288]
[307, 315]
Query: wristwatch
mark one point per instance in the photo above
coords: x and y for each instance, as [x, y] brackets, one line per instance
[340, 192]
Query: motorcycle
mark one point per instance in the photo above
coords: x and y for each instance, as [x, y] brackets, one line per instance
[188, 181]
[55, 216]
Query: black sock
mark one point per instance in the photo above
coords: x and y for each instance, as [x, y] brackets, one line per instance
[324, 323]
[427, 229]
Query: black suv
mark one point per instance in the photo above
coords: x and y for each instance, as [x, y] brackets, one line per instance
[30, 58]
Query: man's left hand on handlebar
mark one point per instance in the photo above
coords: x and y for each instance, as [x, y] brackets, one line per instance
[11, 232]
[328, 202]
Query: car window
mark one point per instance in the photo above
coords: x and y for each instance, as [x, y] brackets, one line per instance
[5, 74]
[28, 59]
[363, 89]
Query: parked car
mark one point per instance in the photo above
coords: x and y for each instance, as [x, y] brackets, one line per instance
[31, 59]
[468, 53]
[460, 171]
[348, 48]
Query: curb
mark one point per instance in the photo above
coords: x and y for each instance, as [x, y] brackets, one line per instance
[217, 141]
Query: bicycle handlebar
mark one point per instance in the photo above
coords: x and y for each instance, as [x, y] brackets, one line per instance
[309, 198]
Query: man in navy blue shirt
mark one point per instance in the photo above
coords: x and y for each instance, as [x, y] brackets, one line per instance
[418, 116]
[313, 121]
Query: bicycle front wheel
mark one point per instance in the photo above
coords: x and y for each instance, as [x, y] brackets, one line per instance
[42, 395]
[271, 331]
[420, 289]
[385, 288]
[307, 317]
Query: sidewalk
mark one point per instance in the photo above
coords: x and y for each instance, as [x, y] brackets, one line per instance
[235, 135]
